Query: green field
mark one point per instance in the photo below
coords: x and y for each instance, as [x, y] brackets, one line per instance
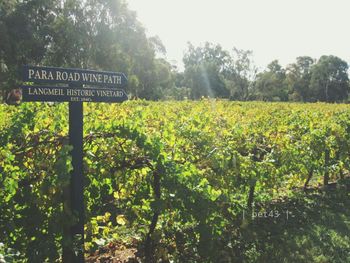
[205, 181]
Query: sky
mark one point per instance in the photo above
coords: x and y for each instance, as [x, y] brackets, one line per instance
[272, 29]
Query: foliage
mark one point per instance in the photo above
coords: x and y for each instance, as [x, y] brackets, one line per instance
[242, 75]
[329, 80]
[204, 71]
[178, 174]
[84, 34]
[270, 84]
[299, 77]
[106, 35]
[211, 71]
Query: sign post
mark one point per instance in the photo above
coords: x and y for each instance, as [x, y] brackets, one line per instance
[75, 93]
[77, 177]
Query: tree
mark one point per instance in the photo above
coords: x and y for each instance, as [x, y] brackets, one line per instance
[97, 34]
[164, 78]
[329, 79]
[24, 30]
[241, 74]
[106, 35]
[204, 71]
[298, 78]
[179, 91]
[270, 84]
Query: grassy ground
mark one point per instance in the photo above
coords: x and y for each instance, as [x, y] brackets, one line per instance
[312, 227]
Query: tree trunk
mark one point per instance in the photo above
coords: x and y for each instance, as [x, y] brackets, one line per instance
[311, 172]
[149, 246]
[341, 174]
[326, 164]
[251, 196]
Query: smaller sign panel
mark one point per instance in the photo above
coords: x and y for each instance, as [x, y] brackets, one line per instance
[50, 75]
[66, 94]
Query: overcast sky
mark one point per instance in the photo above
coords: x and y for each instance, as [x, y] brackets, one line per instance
[272, 29]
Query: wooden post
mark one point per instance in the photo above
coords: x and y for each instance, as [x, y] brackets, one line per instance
[77, 178]
[75, 252]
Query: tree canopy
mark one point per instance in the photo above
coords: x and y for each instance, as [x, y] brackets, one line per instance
[329, 79]
[96, 34]
[106, 35]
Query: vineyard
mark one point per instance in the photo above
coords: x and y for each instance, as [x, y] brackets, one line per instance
[205, 181]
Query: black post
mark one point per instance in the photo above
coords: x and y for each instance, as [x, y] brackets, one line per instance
[75, 254]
